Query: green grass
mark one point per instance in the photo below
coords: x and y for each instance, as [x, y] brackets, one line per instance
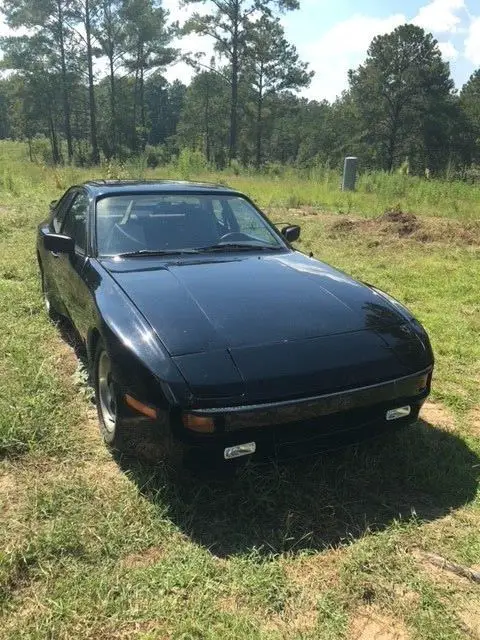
[318, 187]
[93, 548]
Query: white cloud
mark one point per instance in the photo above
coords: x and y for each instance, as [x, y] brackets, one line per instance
[191, 44]
[449, 52]
[341, 48]
[472, 43]
[7, 31]
[440, 16]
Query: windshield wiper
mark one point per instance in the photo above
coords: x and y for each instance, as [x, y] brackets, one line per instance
[155, 252]
[227, 246]
[239, 246]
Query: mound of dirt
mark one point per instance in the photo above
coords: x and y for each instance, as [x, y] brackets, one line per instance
[344, 225]
[404, 224]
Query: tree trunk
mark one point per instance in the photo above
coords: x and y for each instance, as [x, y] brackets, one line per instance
[392, 138]
[91, 87]
[66, 99]
[143, 123]
[207, 120]
[259, 119]
[234, 93]
[135, 101]
[113, 114]
[53, 140]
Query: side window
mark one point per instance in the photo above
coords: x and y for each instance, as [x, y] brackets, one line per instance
[60, 210]
[75, 223]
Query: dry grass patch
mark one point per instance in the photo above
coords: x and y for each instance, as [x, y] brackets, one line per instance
[103, 474]
[370, 624]
[473, 422]
[298, 616]
[470, 618]
[438, 576]
[141, 629]
[8, 486]
[438, 415]
[399, 224]
[313, 572]
[146, 558]
[11, 505]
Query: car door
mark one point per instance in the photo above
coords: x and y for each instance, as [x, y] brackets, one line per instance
[48, 259]
[68, 269]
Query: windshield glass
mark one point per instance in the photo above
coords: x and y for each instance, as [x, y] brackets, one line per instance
[173, 223]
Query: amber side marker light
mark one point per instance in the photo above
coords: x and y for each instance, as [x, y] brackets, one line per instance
[199, 424]
[150, 412]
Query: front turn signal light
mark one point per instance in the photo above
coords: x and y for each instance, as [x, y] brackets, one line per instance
[148, 411]
[199, 424]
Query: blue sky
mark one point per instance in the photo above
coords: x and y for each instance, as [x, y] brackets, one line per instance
[333, 35]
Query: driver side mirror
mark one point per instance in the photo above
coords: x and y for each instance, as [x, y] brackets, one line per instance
[58, 243]
[53, 204]
[291, 233]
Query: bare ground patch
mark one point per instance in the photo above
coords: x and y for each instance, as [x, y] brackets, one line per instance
[470, 618]
[370, 624]
[403, 225]
[473, 422]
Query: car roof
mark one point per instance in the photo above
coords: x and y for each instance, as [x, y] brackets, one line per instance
[100, 188]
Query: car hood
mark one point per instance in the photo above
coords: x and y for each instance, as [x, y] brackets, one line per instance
[200, 305]
[257, 328]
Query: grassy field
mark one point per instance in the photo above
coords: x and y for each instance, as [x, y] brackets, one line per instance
[332, 548]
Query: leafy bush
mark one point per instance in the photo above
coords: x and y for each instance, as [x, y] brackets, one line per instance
[235, 167]
[42, 151]
[152, 157]
[274, 169]
[191, 162]
[472, 174]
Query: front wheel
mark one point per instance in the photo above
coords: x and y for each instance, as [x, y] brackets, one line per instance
[115, 428]
[107, 398]
[124, 430]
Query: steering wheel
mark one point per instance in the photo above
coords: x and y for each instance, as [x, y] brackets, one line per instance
[117, 228]
[235, 236]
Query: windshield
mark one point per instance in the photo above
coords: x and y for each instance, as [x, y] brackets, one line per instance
[149, 223]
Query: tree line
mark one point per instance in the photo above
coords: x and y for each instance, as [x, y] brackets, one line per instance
[88, 76]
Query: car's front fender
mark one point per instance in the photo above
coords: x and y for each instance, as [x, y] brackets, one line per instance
[140, 361]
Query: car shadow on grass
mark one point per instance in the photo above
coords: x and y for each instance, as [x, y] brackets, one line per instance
[420, 473]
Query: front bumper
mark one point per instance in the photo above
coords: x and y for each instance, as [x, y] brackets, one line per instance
[308, 425]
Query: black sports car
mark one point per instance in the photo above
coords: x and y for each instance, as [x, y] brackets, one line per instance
[200, 320]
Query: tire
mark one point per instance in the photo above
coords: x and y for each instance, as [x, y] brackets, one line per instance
[108, 400]
[125, 431]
